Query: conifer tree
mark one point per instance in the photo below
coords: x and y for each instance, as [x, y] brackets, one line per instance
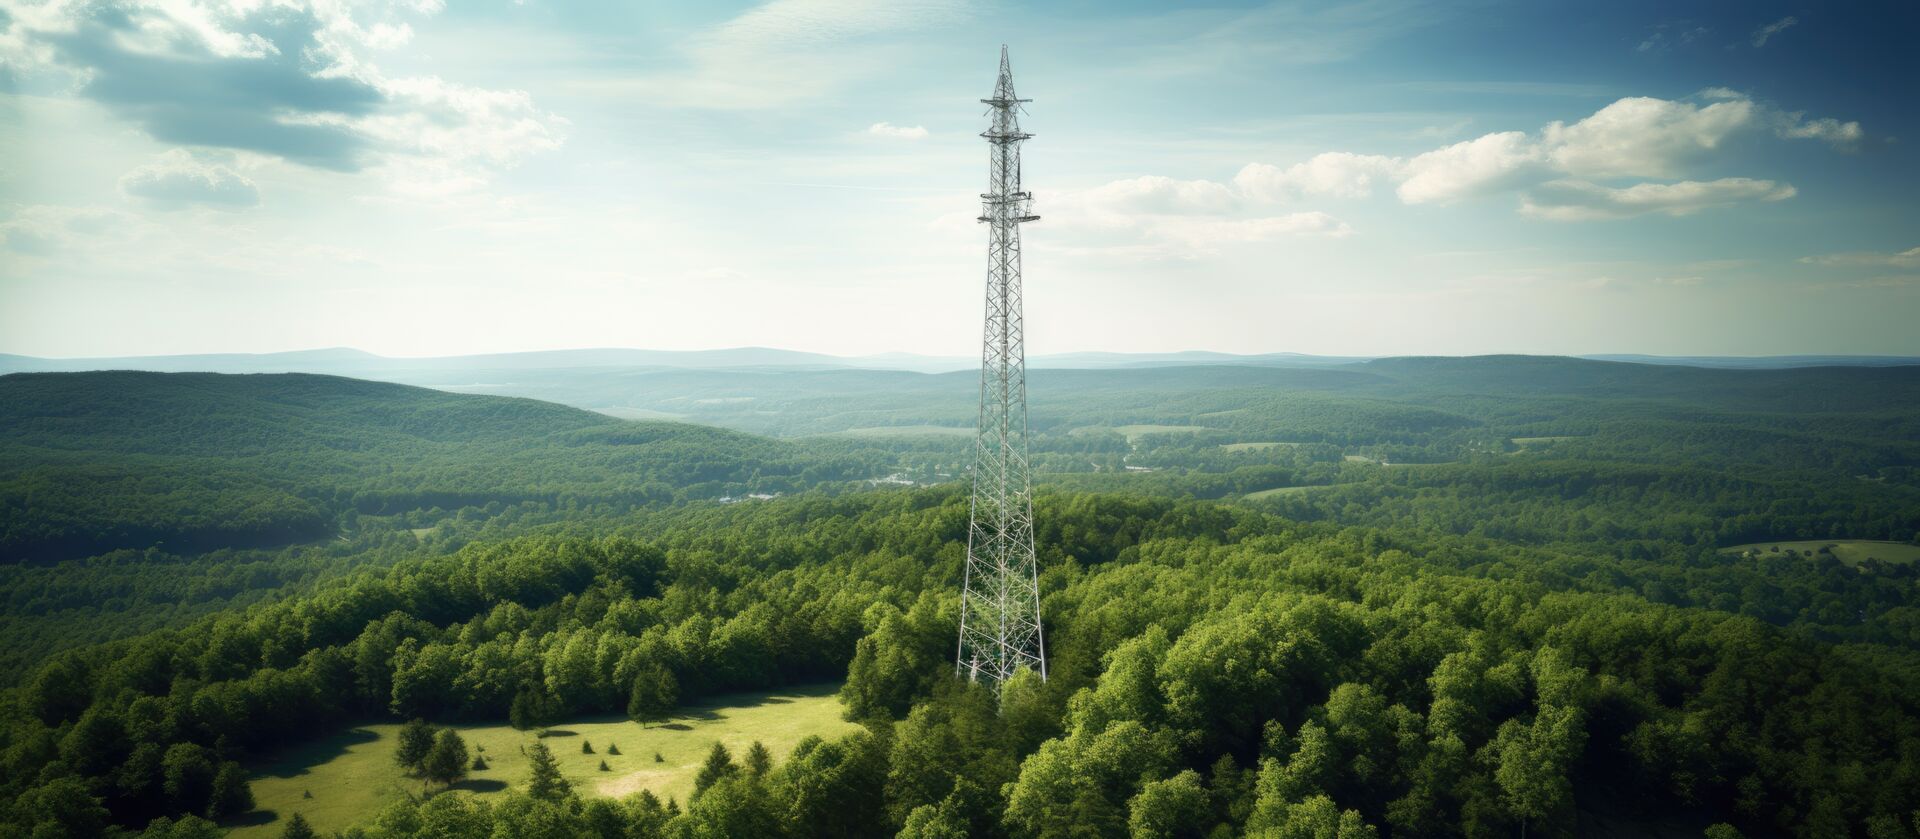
[529, 708]
[759, 760]
[231, 795]
[719, 765]
[298, 828]
[546, 783]
[586, 747]
[654, 694]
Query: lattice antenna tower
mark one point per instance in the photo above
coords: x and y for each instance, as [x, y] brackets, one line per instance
[1000, 606]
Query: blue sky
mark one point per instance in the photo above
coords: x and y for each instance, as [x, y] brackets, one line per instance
[1378, 177]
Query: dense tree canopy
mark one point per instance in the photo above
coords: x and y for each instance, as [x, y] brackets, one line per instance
[1275, 677]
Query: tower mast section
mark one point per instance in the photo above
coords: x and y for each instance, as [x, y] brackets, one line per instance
[1000, 631]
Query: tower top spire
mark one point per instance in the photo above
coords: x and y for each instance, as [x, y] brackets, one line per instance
[1003, 95]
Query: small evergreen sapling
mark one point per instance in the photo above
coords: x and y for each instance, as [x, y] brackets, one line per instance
[759, 760]
[298, 828]
[719, 765]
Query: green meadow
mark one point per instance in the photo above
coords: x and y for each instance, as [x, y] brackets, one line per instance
[1133, 433]
[343, 779]
[1848, 551]
[1244, 447]
[885, 431]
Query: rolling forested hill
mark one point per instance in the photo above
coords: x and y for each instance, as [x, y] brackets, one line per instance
[90, 462]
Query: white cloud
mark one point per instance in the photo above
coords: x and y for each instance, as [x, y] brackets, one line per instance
[1555, 170]
[1668, 36]
[176, 180]
[447, 138]
[900, 132]
[1644, 137]
[1761, 35]
[1153, 194]
[1885, 281]
[1634, 137]
[1331, 174]
[1160, 217]
[1908, 258]
[1488, 163]
[293, 79]
[1831, 131]
[1569, 200]
[1205, 233]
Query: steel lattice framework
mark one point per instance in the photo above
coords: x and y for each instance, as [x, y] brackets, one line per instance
[1000, 607]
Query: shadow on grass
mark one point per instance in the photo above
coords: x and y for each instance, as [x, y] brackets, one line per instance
[297, 762]
[480, 785]
[250, 819]
[713, 708]
[709, 708]
[557, 732]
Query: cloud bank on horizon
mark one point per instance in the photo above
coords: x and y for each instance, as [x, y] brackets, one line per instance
[1364, 177]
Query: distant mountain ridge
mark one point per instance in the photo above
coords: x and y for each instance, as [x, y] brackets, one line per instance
[434, 370]
[1763, 362]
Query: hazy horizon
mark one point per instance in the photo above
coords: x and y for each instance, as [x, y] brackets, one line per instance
[1333, 178]
[956, 357]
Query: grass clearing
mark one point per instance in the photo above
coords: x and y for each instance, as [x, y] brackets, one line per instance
[635, 413]
[907, 432]
[351, 775]
[1133, 433]
[1247, 447]
[1848, 551]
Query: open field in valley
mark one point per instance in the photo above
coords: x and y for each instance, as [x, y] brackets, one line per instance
[351, 775]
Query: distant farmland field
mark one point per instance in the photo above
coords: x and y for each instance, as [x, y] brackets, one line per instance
[1243, 447]
[1849, 551]
[907, 431]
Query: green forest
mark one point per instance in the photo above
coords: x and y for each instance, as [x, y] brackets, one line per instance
[1483, 597]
